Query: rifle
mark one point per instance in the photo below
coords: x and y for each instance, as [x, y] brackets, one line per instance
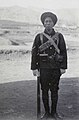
[38, 99]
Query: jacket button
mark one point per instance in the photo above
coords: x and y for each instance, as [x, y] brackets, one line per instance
[50, 48]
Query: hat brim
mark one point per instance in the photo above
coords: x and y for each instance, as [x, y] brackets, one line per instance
[49, 14]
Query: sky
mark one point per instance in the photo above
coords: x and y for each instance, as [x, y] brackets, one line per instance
[50, 4]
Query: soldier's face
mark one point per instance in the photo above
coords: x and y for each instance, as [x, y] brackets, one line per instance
[48, 23]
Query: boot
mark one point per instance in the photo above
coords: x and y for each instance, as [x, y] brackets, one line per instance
[56, 116]
[45, 99]
[45, 116]
[53, 106]
[54, 100]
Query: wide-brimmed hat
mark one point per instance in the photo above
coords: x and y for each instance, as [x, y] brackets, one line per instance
[49, 14]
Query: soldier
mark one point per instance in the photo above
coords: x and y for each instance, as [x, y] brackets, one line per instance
[49, 60]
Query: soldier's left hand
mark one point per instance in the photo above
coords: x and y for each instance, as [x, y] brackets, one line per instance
[36, 73]
[62, 71]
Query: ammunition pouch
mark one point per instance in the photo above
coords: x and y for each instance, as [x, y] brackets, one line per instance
[58, 58]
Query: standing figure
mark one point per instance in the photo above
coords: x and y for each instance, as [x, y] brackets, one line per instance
[49, 60]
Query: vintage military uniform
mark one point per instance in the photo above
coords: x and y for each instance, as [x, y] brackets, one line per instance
[49, 68]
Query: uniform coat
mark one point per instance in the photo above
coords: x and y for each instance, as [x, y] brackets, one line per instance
[50, 51]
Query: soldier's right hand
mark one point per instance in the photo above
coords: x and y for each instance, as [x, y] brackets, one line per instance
[36, 73]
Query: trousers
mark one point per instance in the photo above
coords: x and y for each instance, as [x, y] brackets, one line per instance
[49, 80]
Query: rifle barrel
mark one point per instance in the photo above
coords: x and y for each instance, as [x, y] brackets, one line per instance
[38, 98]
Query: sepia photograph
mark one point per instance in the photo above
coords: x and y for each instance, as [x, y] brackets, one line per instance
[39, 60]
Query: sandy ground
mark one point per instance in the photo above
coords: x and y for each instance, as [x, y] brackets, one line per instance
[18, 100]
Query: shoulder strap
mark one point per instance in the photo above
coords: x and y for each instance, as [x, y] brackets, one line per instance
[41, 38]
[56, 36]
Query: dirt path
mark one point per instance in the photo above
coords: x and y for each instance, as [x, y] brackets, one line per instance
[18, 100]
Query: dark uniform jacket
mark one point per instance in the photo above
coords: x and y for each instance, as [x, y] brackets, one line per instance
[36, 62]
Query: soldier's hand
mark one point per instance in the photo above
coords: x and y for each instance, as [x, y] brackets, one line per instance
[36, 73]
[62, 71]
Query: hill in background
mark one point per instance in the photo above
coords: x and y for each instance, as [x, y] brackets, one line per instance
[67, 17]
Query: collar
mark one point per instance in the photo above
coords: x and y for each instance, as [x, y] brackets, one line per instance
[51, 34]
